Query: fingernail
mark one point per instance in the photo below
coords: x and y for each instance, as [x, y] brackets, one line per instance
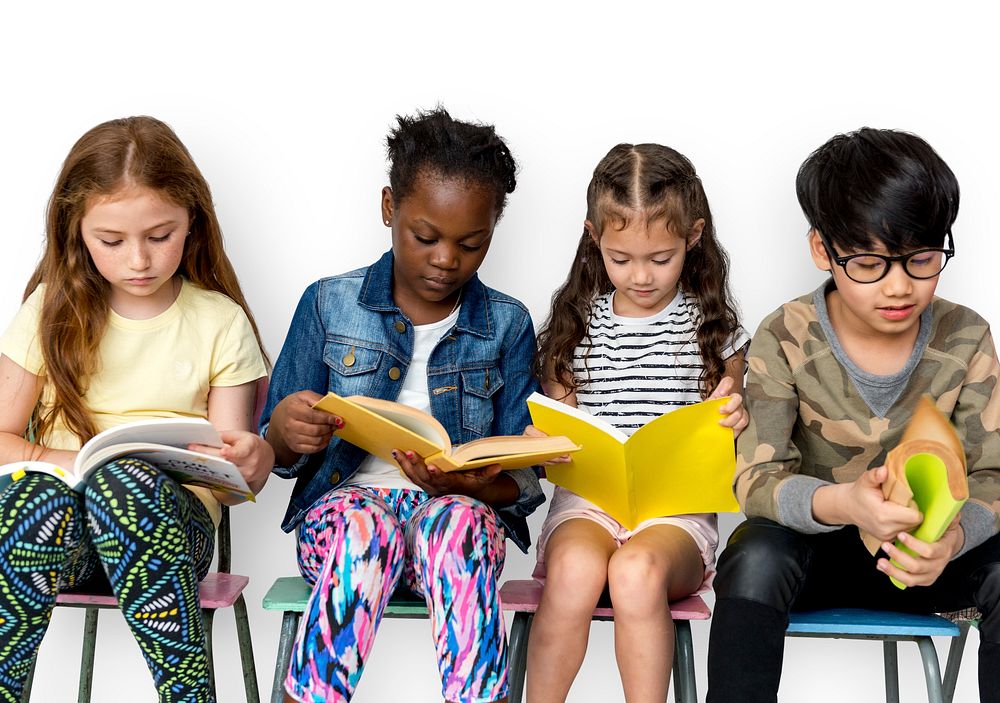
[409, 455]
[338, 422]
[394, 454]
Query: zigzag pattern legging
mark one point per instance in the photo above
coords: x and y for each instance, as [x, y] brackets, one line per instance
[355, 544]
[154, 541]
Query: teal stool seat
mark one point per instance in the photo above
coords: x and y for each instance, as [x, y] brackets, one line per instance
[290, 594]
[889, 628]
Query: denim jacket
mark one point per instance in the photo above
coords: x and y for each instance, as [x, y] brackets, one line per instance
[348, 336]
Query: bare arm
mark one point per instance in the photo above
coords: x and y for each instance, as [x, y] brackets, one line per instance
[19, 392]
[230, 409]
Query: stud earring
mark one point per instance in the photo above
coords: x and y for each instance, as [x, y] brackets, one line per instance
[387, 223]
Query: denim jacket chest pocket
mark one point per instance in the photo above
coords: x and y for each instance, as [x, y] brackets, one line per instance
[352, 367]
[479, 388]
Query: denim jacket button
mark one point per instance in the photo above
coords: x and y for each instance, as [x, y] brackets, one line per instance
[335, 477]
[349, 359]
[394, 373]
[400, 327]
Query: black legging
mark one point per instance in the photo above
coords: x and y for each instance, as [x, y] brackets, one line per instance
[154, 541]
[768, 570]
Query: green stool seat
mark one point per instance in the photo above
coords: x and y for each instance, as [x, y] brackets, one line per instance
[290, 594]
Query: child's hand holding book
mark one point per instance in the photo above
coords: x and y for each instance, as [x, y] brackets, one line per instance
[920, 563]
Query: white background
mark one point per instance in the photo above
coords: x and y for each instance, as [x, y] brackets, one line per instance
[285, 108]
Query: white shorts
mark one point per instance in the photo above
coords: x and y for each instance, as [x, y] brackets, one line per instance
[566, 505]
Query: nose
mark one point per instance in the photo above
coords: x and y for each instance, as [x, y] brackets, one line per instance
[138, 258]
[444, 256]
[642, 273]
[897, 281]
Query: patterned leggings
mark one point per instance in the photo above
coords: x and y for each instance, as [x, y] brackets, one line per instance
[154, 540]
[354, 545]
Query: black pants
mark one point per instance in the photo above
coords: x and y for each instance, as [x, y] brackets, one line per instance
[768, 570]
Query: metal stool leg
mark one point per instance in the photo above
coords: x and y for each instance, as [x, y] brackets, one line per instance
[246, 650]
[289, 626]
[207, 620]
[954, 662]
[685, 687]
[517, 655]
[87, 660]
[891, 657]
[26, 691]
[932, 669]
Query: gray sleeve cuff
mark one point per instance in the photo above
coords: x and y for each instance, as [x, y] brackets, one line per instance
[795, 497]
[978, 524]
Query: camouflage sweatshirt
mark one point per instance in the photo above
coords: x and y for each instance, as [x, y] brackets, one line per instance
[809, 427]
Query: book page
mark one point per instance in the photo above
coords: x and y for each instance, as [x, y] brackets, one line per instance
[172, 432]
[377, 426]
[597, 471]
[683, 462]
[511, 452]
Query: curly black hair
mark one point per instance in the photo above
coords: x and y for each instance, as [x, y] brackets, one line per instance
[432, 142]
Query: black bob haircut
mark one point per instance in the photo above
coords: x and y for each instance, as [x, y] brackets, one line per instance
[433, 143]
[878, 186]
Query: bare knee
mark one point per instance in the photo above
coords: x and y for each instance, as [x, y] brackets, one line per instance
[637, 579]
[577, 573]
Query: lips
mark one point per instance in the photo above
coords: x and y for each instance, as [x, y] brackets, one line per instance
[439, 283]
[896, 312]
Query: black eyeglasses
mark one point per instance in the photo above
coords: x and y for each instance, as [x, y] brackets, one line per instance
[869, 268]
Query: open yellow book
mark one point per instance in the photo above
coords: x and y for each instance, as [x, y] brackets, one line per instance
[681, 462]
[926, 471]
[380, 426]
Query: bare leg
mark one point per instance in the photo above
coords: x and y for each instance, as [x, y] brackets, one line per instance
[659, 563]
[576, 561]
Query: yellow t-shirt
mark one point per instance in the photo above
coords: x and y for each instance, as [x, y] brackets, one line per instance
[160, 367]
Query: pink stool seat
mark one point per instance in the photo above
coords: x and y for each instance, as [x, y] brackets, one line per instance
[524, 596]
[215, 591]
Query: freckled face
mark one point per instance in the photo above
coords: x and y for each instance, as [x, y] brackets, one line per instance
[441, 232]
[136, 241]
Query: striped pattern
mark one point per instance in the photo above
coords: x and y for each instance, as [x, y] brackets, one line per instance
[636, 369]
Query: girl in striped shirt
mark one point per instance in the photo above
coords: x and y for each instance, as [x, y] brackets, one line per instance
[645, 323]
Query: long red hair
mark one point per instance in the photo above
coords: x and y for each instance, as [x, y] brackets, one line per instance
[123, 153]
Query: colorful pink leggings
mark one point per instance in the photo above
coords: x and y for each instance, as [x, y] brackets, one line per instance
[354, 545]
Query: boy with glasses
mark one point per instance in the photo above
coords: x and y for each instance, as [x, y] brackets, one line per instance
[834, 377]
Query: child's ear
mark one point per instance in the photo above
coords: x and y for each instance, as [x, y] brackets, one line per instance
[696, 230]
[588, 227]
[387, 206]
[820, 256]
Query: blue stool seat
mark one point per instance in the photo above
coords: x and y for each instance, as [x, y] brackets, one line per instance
[890, 628]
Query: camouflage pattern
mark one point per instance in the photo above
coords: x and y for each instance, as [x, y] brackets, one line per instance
[808, 420]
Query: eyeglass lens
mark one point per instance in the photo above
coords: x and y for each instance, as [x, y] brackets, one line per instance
[919, 264]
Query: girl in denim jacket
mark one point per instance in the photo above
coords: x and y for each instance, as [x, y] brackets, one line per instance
[418, 327]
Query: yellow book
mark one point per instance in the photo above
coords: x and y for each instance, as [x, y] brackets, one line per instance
[926, 471]
[380, 426]
[681, 462]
